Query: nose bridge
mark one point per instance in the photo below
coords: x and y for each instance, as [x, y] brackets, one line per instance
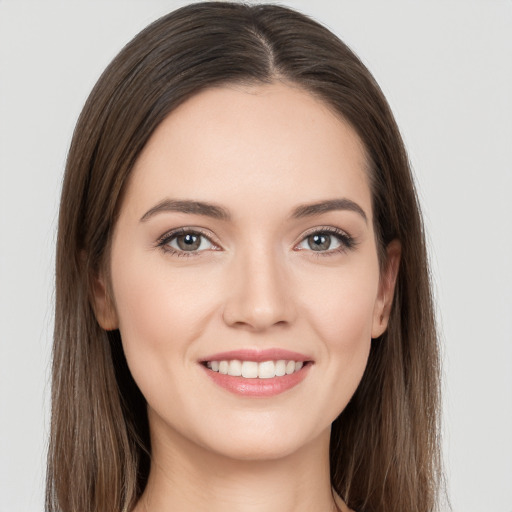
[259, 295]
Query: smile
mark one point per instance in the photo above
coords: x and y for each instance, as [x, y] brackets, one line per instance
[254, 369]
[251, 372]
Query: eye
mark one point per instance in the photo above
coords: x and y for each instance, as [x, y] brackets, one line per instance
[186, 241]
[327, 240]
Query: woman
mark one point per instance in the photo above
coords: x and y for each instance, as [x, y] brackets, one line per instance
[243, 318]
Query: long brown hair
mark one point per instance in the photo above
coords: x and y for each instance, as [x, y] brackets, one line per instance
[384, 450]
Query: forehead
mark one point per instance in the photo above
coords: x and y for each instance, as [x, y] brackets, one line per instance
[240, 144]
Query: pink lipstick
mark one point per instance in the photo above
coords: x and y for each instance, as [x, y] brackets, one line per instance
[257, 373]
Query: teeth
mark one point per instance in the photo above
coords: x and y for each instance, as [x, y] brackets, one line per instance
[235, 368]
[249, 369]
[267, 370]
[223, 367]
[253, 370]
[281, 368]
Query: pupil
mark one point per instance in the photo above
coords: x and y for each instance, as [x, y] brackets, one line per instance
[319, 242]
[189, 242]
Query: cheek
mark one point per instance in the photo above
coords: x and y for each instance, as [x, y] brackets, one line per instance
[340, 310]
[161, 313]
[341, 307]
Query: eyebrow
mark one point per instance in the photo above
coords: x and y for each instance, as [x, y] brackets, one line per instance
[217, 212]
[307, 210]
[185, 206]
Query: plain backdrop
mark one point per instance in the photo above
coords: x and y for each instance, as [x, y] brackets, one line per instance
[446, 68]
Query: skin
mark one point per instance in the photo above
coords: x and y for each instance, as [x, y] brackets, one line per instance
[259, 152]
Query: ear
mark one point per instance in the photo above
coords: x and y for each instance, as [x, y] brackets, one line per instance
[103, 305]
[387, 283]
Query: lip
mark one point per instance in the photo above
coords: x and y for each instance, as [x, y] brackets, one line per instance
[258, 387]
[271, 354]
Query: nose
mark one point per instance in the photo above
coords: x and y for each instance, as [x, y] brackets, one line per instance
[260, 293]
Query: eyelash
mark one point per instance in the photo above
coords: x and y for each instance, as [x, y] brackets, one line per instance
[164, 240]
[346, 241]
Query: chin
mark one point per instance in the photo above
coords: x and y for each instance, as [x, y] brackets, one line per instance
[261, 442]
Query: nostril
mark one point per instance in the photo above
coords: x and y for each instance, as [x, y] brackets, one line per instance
[259, 300]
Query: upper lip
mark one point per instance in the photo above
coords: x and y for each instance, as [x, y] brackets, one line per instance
[248, 354]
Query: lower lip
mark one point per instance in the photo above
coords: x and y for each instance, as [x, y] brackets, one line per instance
[258, 387]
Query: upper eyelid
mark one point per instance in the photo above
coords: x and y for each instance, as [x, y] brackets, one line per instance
[184, 230]
[346, 240]
[164, 239]
[324, 229]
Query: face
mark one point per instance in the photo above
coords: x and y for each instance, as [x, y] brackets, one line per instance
[245, 245]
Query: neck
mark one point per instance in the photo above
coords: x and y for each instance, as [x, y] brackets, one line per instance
[186, 477]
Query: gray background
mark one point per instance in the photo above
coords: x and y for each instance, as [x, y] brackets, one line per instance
[446, 68]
